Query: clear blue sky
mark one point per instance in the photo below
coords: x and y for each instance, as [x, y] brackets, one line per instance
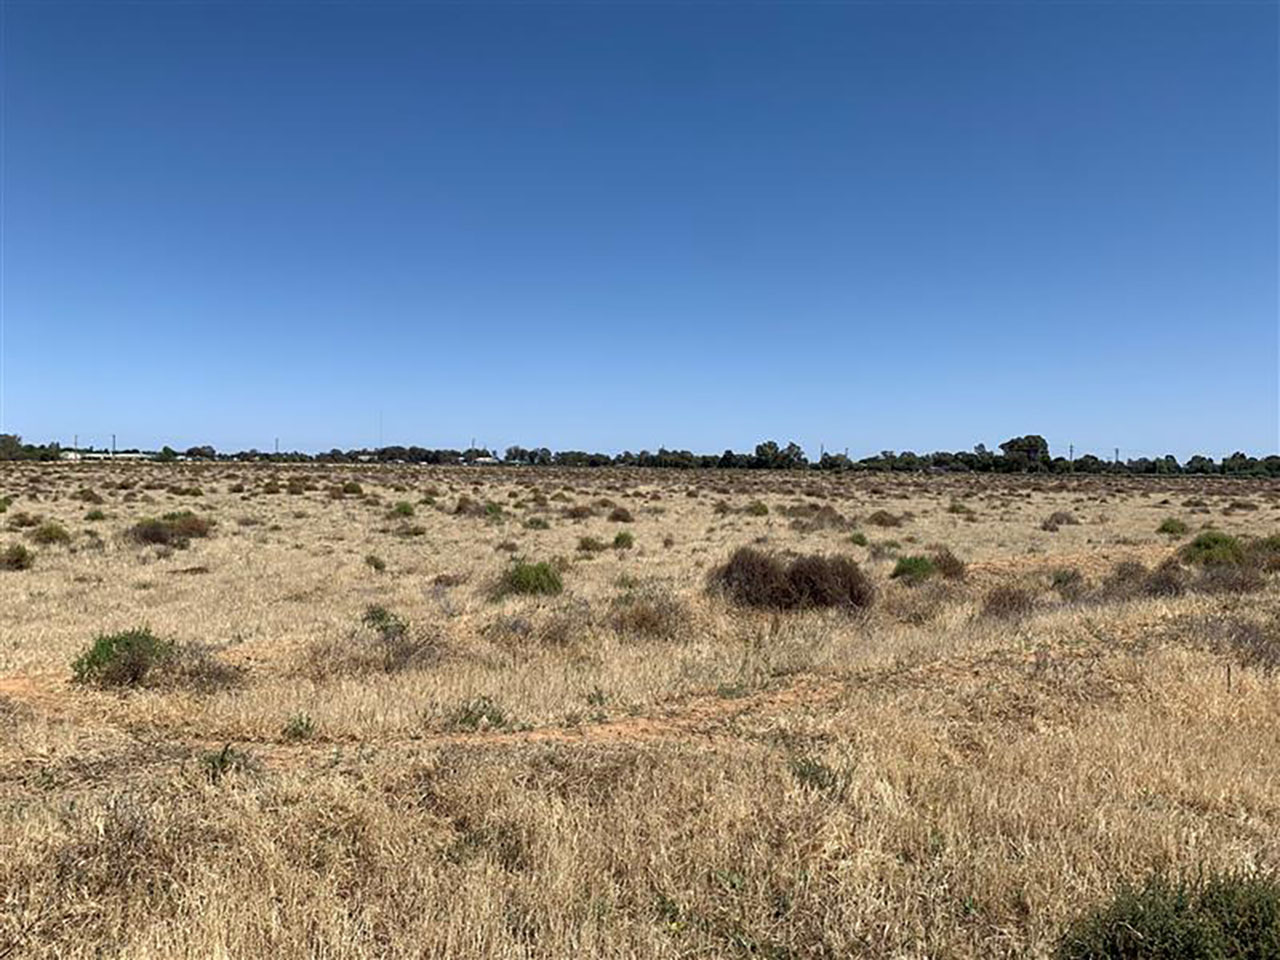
[625, 225]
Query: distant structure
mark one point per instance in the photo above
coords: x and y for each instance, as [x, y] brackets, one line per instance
[74, 455]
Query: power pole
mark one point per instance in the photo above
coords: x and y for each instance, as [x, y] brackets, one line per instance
[113, 446]
[1071, 456]
[1117, 456]
[277, 446]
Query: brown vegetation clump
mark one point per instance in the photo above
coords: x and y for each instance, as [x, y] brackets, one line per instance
[753, 578]
[1059, 518]
[1008, 603]
[172, 530]
[948, 564]
[807, 517]
[620, 515]
[651, 614]
[883, 518]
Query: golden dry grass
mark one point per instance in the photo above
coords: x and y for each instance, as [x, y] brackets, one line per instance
[631, 768]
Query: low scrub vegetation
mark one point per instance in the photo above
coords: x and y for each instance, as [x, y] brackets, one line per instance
[383, 642]
[752, 578]
[530, 579]
[50, 533]
[16, 557]
[1213, 548]
[1008, 602]
[171, 530]
[1212, 916]
[914, 569]
[122, 659]
[137, 658]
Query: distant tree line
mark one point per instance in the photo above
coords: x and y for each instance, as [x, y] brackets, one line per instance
[1029, 454]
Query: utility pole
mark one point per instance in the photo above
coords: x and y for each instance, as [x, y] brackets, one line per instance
[1117, 456]
[1071, 456]
[113, 446]
[277, 446]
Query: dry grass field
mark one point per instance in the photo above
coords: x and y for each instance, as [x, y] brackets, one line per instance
[365, 742]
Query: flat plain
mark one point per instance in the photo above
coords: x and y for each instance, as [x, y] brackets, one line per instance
[492, 712]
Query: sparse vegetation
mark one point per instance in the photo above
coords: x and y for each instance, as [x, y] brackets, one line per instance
[616, 760]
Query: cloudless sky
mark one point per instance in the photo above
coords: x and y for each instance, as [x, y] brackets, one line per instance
[623, 225]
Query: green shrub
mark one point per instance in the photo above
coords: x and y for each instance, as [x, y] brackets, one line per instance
[1213, 548]
[1173, 527]
[402, 509]
[122, 659]
[352, 488]
[376, 563]
[623, 540]
[537, 523]
[16, 557]
[858, 539]
[49, 533]
[756, 509]
[93, 516]
[1221, 916]
[914, 569]
[530, 578]
[591, 544]
[5, 503]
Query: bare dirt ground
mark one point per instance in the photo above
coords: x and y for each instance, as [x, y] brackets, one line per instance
[633, 766]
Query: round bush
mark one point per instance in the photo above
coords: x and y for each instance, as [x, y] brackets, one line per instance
[1219, 917]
